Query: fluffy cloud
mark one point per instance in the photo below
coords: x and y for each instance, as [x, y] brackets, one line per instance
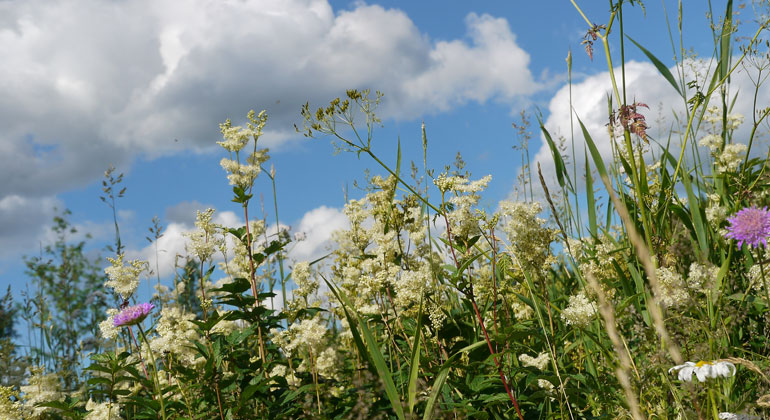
[89, 83]
[317, 225]
[99, 82]
[646, 85]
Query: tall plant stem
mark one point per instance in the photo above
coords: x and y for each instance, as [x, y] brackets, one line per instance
[155, 372]
[253, 279]
[481, 321]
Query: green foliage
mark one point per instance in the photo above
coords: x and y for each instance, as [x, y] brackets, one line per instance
[429, 307]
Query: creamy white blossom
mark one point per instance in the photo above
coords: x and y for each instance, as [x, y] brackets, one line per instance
[124, 279]
[540, 362]
[102, 411]
[580, 311]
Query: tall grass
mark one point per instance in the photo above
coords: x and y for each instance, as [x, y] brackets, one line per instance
[632, 300]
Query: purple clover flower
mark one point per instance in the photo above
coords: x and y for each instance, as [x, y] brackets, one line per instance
[750, 226]
[132, 315]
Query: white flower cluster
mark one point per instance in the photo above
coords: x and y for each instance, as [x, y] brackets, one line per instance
[235, 139]
[41, 388]
[673, 290]
[715, 212]
[739, 416]
[529, 239]
[102, 411]
[124, 279]
[107, 327]
[175, 334]
[580, 311]
[302, 276]
[540, 362]
[307, 334]
[730, 158]
[10, 410]
[463, 194]
[701, 277]
[205, 241]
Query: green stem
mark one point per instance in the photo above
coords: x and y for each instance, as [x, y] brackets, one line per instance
[154, 371]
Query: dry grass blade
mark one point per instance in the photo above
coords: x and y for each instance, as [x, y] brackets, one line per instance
[622, 371]
[649, 268]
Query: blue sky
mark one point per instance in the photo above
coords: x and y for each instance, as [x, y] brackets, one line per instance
[143, 85]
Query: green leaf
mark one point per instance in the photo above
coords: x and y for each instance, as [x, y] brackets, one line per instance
[590, 199]
[414, 366]
[662, 69]
[561, 171]
[438, 383]
[597, 157]
[382, 370]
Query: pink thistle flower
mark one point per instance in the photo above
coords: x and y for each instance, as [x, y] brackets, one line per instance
[750, 226]
[132, 315]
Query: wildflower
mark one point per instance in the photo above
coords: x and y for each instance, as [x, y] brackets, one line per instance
[42, 388]
[730, 158]
[539, 362]
[733, 416]
[703, 370]
[10, 407]
[750, 226]
[580, 310]
[107, 327]
[102, 411]
[132, 315]
[124, 278]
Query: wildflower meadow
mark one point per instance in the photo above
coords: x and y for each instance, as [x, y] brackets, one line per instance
[631, 288]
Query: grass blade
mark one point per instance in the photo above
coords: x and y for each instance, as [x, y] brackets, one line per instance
[438, 383]
[662, 69]
[414, 366]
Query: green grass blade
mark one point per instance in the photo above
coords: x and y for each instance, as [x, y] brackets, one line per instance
[382, 370]
[414, 366]
[561, 172]
[438, 383]
[662, 69]
[597, 157]
[591, 201]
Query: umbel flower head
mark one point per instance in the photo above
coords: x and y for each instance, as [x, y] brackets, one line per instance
[132, 315]
[703, 370]
[750, 226]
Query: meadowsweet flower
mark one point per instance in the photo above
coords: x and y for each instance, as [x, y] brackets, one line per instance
[42, 388]
[730, 158]
[703, 370]
[108, 328]
[580, 310]
[132, 315]
[749, 226]
[124, 278]
[9, 409]
[102, 411]
[540, 362]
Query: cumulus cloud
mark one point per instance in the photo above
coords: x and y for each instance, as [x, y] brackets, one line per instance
[646, 85]
[89, 83]
[92, 81]
[317, 225]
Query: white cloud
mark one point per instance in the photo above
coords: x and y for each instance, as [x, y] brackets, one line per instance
[318, 225]
[89, 83]
[646, 85]
[98, 82]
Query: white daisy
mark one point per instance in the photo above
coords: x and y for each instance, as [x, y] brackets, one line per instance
[704, 369]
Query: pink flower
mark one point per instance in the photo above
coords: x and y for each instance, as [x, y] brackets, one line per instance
[750, 226]
[132, 315]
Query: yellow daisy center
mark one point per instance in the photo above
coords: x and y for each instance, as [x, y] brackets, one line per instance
[703, 363]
